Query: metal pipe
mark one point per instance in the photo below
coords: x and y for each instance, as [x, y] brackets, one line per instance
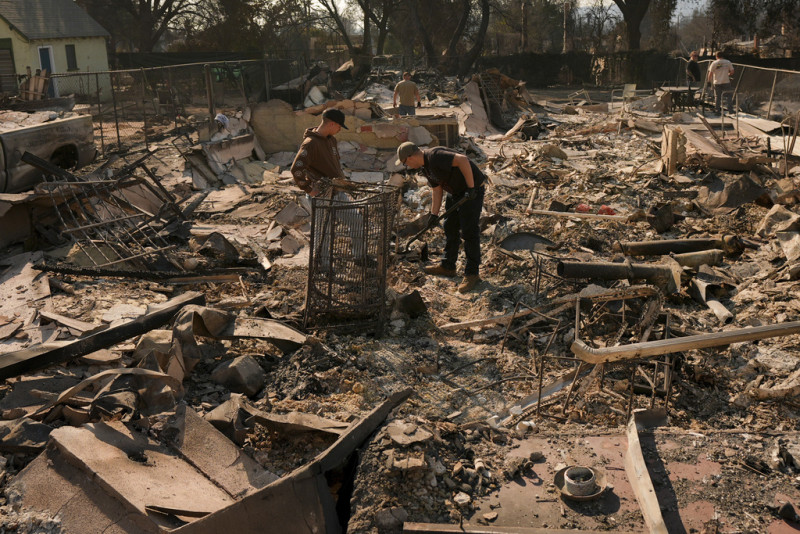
[659, 274]
[722, 313]
[729, 243]
[702, 257]
[772, 94]
[680, 344]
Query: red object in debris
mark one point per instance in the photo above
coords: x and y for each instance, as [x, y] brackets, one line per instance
[606, 210]
[583, 208]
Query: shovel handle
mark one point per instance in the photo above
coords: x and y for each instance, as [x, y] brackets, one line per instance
[419, 234]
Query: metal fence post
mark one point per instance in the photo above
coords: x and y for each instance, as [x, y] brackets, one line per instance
[772, 94]
[144, 109]
[209, 94]
[172, 95]
[116, 114]
[100, 113]
[242, 85]
[267, 80]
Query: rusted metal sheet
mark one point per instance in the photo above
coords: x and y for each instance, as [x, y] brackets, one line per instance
[35, 358]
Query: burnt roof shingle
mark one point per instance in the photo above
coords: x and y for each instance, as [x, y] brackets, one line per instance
[49, 19]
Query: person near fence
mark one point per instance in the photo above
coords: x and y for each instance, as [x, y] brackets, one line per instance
[408, 92]
[454, 173]
[692, 70]
[314, 169]
[719, 74]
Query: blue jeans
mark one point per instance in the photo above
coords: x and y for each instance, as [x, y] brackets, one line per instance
[464, 223]
[406, 110]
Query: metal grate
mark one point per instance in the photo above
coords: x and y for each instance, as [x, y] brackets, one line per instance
[103, 217]
[350, 233]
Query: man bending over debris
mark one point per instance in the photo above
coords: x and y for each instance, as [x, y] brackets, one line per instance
[407, 91]
[314, 169]
[447, 170]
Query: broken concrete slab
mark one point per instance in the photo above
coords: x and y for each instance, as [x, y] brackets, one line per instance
[303, 493]
[206, 448]
[241, 375]
[137, 471]
[23, 435]
[49, 485]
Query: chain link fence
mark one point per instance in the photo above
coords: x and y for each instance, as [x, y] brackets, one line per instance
[136, 106]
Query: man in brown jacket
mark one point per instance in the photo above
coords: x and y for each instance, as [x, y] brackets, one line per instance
[317, 161]
[315, 166]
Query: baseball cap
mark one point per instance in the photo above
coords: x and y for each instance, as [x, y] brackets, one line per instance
[405, 150]
[336, 116]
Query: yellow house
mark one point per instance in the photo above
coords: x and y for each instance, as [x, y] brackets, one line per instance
[56, 35]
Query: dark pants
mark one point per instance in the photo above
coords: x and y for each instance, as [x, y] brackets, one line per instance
[464, 223]
[406, 110]
[720, 88]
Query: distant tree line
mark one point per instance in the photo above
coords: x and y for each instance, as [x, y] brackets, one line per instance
[450, 34]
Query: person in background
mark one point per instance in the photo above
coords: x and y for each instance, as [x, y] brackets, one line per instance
[719, 73]
[692, 70]
[408, 92]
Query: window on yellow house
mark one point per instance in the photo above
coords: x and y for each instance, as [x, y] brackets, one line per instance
[72, 60]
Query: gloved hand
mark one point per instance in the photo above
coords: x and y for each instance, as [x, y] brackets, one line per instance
[419, 104]
[433, 220]
[471, 193]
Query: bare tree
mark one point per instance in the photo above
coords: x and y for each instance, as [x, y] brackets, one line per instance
[597, 22]
[142, 22]
[456, 58]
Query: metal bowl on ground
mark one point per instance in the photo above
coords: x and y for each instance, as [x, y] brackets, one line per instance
[581, 479]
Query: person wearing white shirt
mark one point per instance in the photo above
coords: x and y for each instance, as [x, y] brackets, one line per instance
[719, 74]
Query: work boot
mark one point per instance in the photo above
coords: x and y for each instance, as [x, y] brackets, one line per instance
[468, 283]
[439, 270]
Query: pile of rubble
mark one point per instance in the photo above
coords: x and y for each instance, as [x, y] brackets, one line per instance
[634, 319]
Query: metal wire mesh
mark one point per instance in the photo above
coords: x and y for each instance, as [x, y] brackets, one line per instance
[350, 233]
[102, 216]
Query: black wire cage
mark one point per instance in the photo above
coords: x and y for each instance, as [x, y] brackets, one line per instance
[350, 236]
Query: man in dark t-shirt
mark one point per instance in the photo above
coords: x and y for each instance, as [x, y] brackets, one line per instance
[454, 173]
